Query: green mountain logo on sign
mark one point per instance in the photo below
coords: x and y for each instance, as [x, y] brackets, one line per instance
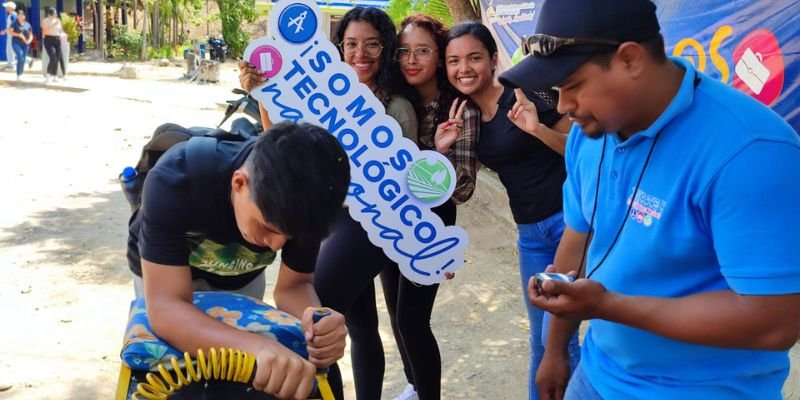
[427, 180]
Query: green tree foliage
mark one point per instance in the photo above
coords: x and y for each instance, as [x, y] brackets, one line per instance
[232, 14]
[70, 26]
[127, 43]
[435, 8]
[399, 9]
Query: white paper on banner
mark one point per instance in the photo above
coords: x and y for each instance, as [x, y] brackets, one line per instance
[394, 184]
[752, 71]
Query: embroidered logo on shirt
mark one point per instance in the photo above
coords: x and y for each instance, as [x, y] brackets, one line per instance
[646, 208]
[230, 259]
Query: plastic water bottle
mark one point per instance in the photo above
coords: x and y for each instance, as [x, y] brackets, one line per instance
[128, 173]
[129, 183]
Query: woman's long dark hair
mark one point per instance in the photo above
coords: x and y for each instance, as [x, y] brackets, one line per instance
[476, 29]
[388, 82]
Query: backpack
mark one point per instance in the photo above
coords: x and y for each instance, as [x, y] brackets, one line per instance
[200, 152]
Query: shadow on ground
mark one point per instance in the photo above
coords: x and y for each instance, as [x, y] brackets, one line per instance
[80, 238]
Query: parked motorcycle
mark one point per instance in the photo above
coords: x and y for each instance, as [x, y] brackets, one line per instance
[218, 50]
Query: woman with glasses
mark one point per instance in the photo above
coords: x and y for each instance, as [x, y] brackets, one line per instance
[522, 139]
[441, 114]
[348, 262]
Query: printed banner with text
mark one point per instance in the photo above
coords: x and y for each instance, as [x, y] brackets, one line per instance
[752, 45]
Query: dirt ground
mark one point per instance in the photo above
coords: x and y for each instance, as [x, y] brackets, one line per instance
[66, 288]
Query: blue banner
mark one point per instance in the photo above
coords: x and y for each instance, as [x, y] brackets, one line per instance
[751, 45]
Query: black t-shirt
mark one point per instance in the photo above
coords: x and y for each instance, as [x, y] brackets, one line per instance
[531, 172]
[179, 225]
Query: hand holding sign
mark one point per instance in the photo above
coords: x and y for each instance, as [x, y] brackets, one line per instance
[249, 76]
[448, 132]
[524, 114]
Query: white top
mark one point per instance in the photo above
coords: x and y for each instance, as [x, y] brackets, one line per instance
[53, 26]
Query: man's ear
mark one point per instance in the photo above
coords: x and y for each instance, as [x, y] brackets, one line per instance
[632, 57]
[240, 180]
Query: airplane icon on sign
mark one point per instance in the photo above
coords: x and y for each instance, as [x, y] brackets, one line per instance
[298, 22]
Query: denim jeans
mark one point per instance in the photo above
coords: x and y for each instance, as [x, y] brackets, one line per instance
[537, 248]
[579, 387]
[10, 57]
[21, 52]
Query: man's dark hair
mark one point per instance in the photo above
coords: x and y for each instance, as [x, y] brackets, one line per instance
[298, 178]
[51, 11]
[654, 46]
[389, 81]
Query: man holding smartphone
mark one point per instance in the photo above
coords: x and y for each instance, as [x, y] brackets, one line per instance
[684, 192]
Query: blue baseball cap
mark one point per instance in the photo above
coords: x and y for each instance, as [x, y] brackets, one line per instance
[616, 21]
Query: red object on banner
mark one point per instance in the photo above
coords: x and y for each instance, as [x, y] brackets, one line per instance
[759, 67]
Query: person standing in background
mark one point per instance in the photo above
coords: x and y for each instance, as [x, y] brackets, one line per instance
[22, 35]
[11, 16]
[52, 31]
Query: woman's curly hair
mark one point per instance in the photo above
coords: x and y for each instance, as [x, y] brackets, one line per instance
[389, 81]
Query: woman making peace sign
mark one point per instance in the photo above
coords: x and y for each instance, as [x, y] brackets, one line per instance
[450, 126]
[522, 139]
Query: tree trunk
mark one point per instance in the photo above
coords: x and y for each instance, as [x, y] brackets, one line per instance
[143, 53]
[155, 31]
[101, 41]
[462, 10]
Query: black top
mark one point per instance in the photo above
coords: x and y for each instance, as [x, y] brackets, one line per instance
[23, 28]
[531, 172]
[180, 225]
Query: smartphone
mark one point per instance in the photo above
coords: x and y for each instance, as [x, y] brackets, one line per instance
[539, 278]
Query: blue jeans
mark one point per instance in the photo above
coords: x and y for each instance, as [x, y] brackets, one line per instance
[579, 387]
[537, 248]
[21, 52]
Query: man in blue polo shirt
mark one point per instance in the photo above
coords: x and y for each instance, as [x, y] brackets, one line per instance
[685, 192]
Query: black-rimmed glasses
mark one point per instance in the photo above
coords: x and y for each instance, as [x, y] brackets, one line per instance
[372, 48]
[545, 45]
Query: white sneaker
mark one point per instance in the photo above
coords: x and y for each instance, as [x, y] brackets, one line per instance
[47, 79]
[408, 393]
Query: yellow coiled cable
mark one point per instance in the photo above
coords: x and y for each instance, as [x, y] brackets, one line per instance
[226, 364]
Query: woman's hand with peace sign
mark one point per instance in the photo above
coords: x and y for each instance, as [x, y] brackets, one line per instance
[524, 114]
[448, 132]
[526, 117]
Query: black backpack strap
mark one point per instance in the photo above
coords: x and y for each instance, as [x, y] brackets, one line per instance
[201, 152]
